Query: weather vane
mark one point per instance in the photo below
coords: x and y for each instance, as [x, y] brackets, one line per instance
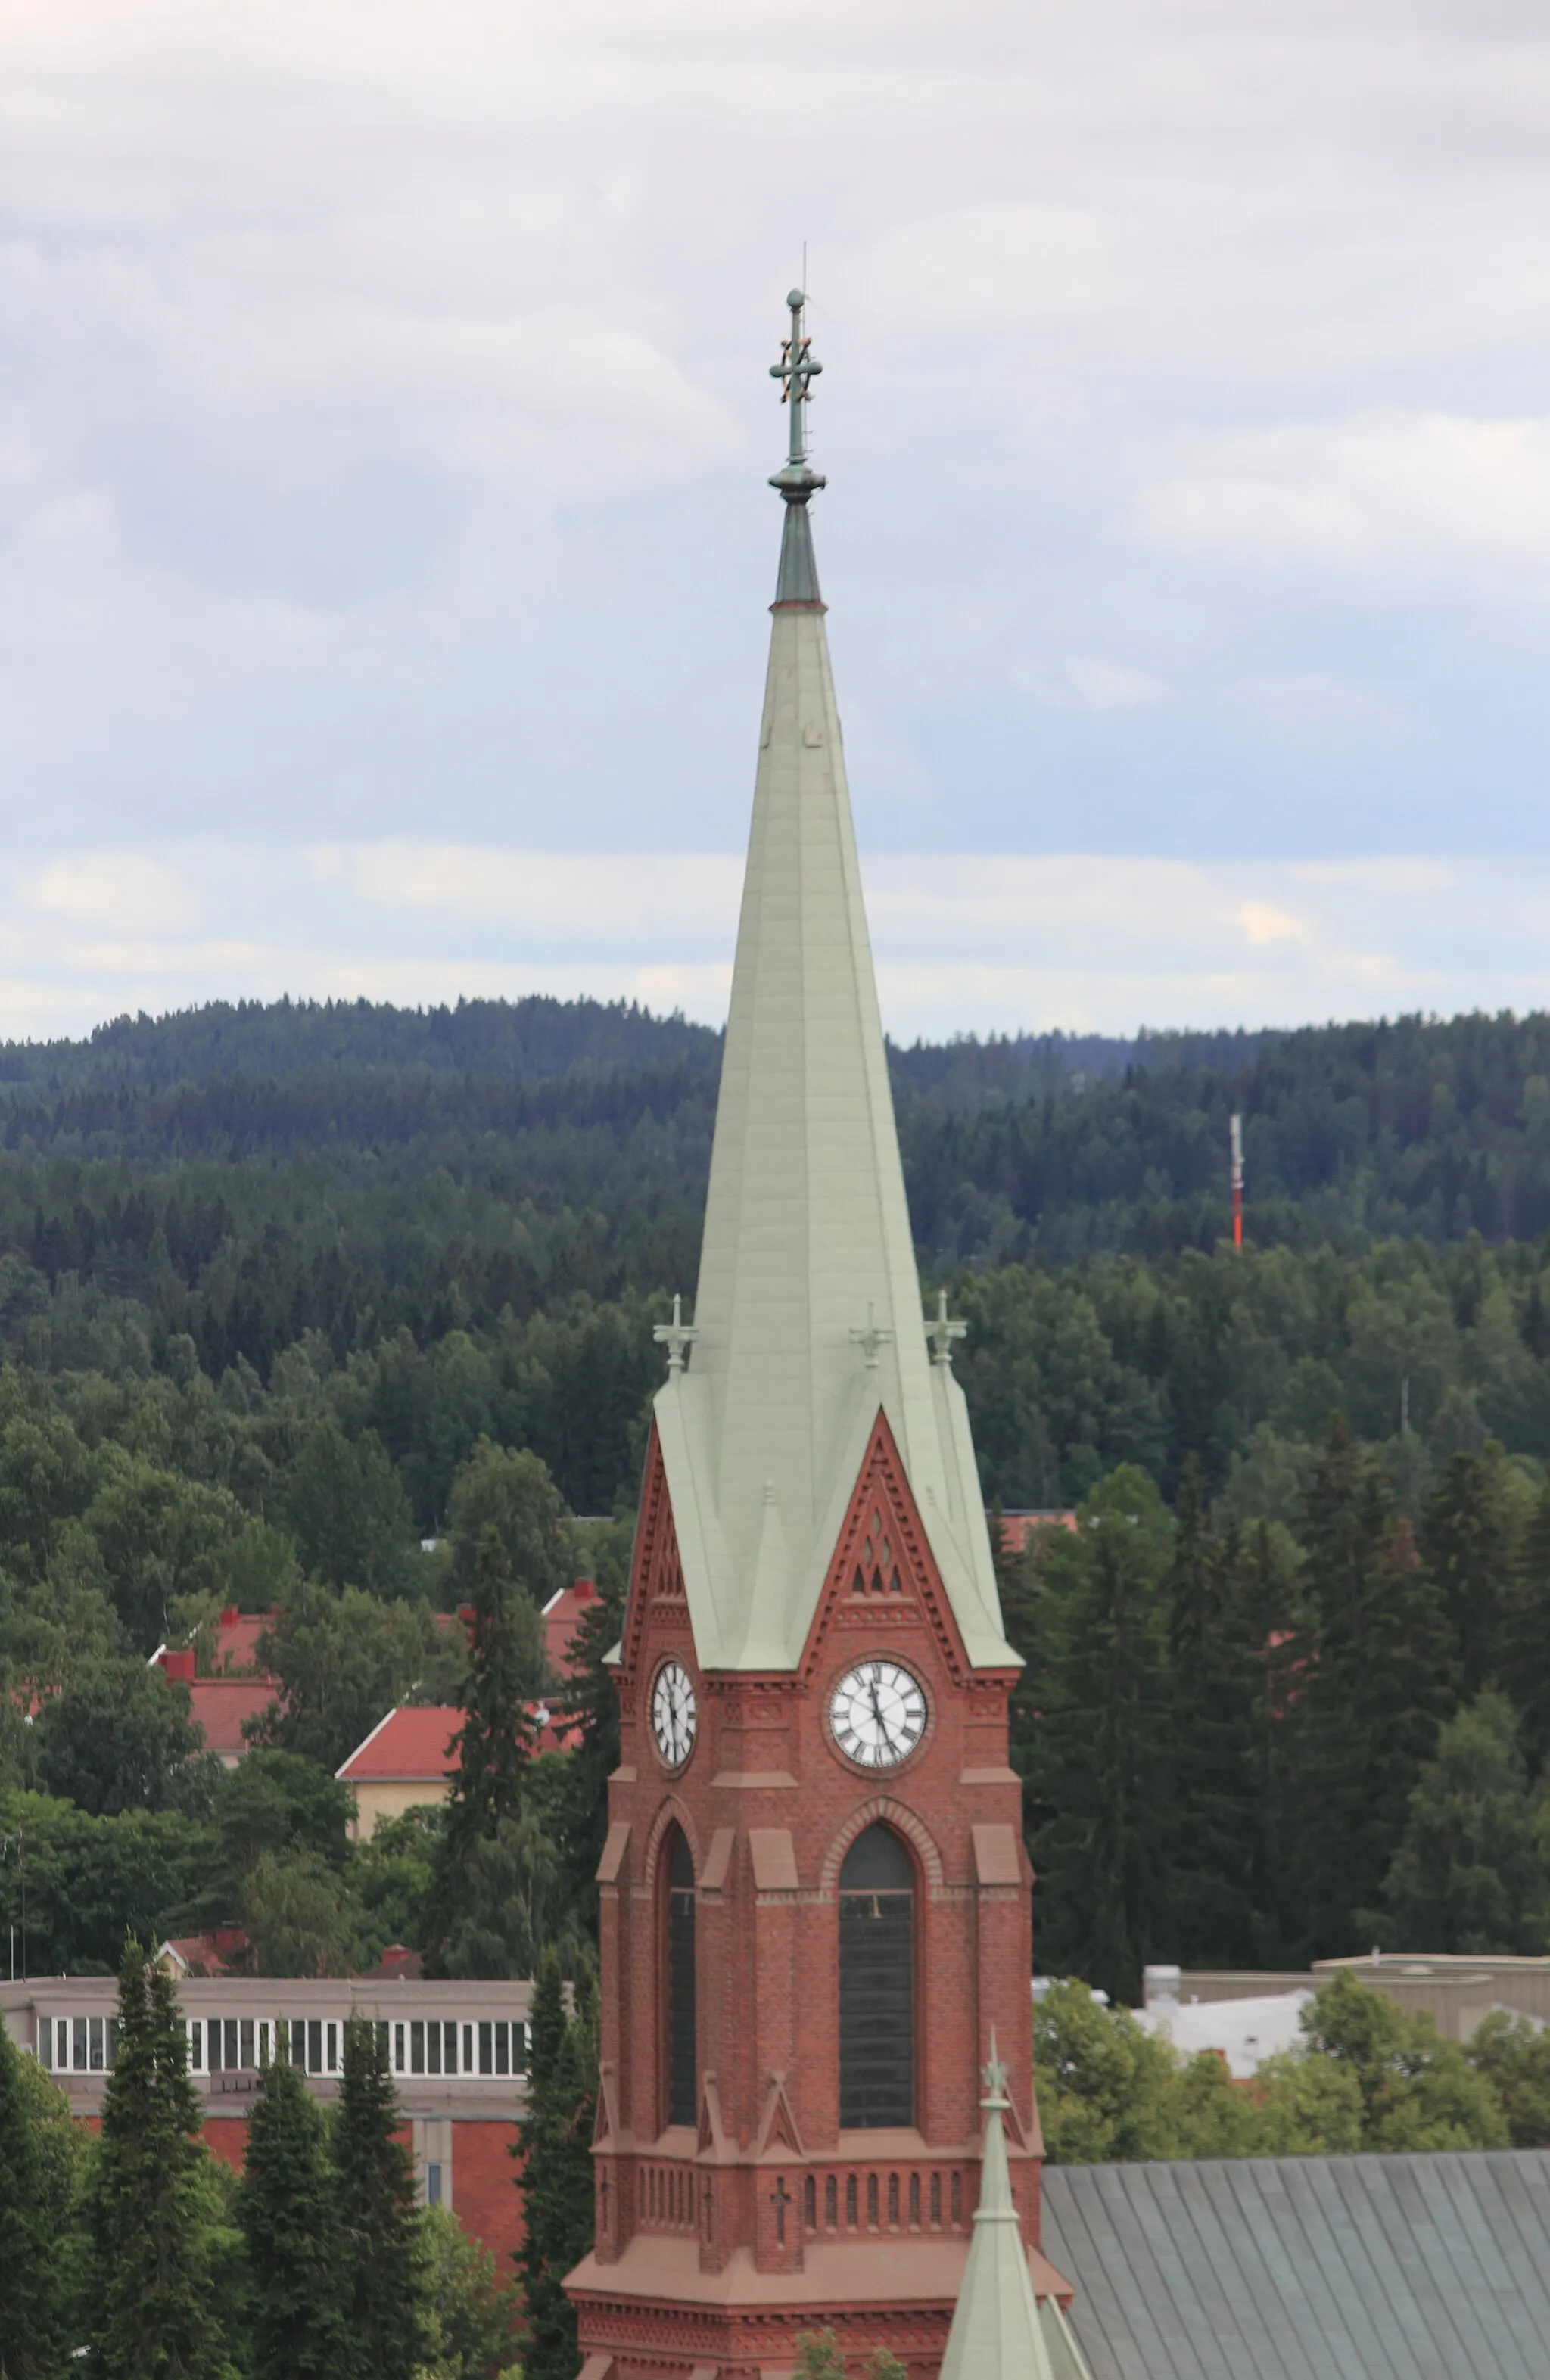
[796, 371]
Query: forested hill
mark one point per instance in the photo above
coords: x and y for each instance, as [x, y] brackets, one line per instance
[1053, 1146]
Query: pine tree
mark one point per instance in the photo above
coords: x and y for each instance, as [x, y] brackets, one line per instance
[380, 2266]
[1210, 1882]
[553, 2144]
[1526, 1636]
[1469, 1539]
[1099, 1772]
[150, 2205]
[1275, 1633]
[494, 1746]
[1380, 1680]
[30, 2343]
[288, 2210]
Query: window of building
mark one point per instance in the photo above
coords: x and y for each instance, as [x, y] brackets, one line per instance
[245, 2052]
[314, 2044]
[876, 1983]
[681, 2108]
[196, 2044]
[519, 2049]
[417, 2047]
[432, 2185]
[78, 2044]
[397, 2049]
[468, 2050]
[263, 2041]
[332, 2048]
[433, 2048]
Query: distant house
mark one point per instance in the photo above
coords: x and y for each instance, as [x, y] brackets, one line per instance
[563, 1615]
[234, 1689]
[410, 1759]
[1018, 1528]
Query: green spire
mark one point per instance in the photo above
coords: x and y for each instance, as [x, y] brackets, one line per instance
[798, 581]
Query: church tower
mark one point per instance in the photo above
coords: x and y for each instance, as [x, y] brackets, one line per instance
[814, 1895]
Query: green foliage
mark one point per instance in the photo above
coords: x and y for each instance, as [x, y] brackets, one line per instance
[300, 1913]
[150, 2209]
[1513, 2055]
[275, 1801]
[31, 2339]
[1472, 1869]
[377, 2223]
[1098, 1773]
[344, 1659]
[512, 1495]
[346, 1507]
[494, 1855]
[471, 2322]
[1370, 2078]
[121, 1736]
[1417, 2091]
[287, 2212]
[553, 2148]
[818, 2357]
[72, 1884]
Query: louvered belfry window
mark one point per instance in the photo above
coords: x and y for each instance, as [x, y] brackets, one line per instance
[681, 2108]
[876, 1983]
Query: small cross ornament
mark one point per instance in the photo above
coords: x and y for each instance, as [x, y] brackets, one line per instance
[942, 1332]
[675, 1336]
[796, 369]
[872, 1339]
[994, 2077]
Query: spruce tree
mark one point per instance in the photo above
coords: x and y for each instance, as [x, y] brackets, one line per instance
[1274, 1631]
[484, 1808]
[1210, 1883]
[287, 2207]
[1473, 1873]
[30, 2342]
[379, 2265]
[1099, 1772]
[1469, 1535]
[1526, 1636]
[150, 2208]
[1380, 1680]
[553, 2145]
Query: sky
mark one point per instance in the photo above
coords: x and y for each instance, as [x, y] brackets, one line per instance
[385, 542]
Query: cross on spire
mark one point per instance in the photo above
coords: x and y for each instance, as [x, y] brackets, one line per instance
[870, 1339]
[796, 371]
[994, 2077]
[942, 1332]
[676, 1335]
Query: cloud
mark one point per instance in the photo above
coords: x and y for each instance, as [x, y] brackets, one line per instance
[999, 943]
[111, 888]
[1391, 493]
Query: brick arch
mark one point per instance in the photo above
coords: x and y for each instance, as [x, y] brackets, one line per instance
[902, 1820]
[671, 1812]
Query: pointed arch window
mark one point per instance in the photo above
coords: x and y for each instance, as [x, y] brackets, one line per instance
[680, 1979]
[876, 1983]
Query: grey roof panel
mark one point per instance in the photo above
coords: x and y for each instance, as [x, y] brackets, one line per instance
[1309, 2268]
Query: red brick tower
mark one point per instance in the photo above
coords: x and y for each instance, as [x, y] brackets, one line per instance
[815, 1897]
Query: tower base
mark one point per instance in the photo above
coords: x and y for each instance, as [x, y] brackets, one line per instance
[656, 2315]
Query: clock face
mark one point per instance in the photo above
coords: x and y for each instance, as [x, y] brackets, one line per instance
[878, 1713]
[673, 1713]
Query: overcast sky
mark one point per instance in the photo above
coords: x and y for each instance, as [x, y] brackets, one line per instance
[384, 545]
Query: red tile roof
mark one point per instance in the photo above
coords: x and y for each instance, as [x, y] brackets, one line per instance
[563, 1615]
[1018, 1527]
[410, 1745]
[413, 1745]
[222, 1704]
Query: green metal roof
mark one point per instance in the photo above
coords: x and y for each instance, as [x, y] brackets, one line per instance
[1308, 2268]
